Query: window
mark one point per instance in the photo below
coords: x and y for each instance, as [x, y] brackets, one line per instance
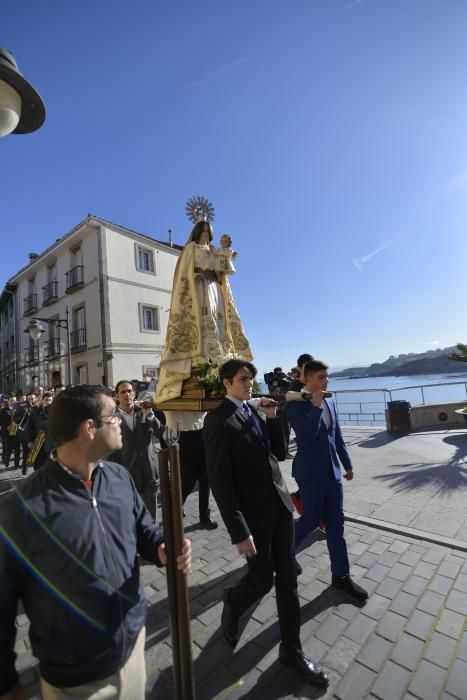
[148, 318]
[76, 256]
[81, 374]
[52, 272]
[144, 259]
[150, 371]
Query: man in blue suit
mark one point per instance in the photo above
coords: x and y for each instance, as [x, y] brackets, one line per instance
[317, 471]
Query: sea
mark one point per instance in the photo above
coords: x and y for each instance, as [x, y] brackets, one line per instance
[363, 400]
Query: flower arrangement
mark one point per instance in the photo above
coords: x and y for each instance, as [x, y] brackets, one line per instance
[207, 374]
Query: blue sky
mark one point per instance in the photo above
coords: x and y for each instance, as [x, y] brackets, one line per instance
[330, 135]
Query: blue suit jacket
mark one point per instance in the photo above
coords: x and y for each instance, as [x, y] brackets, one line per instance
[318, 449]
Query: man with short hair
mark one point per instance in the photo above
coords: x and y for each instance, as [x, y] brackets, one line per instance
[317, 471]
[255, 506]
[38, 429]
[8, 423]
[70, 536]
[38, 390]
[297, 383]
[140, 430]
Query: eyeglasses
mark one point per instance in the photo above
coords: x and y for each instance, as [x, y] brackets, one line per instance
[114, 417]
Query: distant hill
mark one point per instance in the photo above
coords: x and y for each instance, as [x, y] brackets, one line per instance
[431, 362]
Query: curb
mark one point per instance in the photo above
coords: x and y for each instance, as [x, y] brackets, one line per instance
[411, 532]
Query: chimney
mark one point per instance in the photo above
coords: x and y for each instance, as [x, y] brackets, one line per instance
[33, 256]
[171, 241]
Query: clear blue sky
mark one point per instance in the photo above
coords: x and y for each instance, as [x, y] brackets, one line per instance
[331, 136]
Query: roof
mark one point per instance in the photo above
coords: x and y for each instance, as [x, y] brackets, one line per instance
[87, 220]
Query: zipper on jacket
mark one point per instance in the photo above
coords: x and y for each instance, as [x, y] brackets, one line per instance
[114, 569]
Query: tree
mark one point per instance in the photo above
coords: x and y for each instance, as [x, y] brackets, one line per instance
[460, 355]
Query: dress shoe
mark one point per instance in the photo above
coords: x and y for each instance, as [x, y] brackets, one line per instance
[345, 583]
[207, 523]
[309, 671]
[229, 620]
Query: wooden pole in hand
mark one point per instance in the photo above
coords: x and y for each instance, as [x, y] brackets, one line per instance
[179, 606]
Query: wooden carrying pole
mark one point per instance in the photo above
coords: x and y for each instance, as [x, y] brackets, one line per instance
[179, 606]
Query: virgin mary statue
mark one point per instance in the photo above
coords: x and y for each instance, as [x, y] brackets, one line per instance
[203, 323]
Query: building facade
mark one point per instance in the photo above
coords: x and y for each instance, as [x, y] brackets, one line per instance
[102, 295]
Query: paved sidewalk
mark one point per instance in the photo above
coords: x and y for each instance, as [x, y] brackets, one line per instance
[408, 641]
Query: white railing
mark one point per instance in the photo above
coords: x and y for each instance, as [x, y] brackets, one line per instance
[369, 405]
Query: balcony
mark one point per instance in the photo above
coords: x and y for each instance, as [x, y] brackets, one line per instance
[30, 305]
[31, 355]
[78, 340]
[50, 293]
[74, 279]
[52, 348]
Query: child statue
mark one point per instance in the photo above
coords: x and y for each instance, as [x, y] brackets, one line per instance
[225, 255]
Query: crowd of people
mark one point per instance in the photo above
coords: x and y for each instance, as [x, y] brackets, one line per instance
[82, 561]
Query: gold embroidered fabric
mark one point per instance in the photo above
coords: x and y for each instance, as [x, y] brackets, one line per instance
[203, 322]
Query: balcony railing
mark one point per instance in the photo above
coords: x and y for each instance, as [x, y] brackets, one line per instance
[50, 293]
[74, 279]
[78, 340]
[52, 348]
[29, 304]
[31, 355]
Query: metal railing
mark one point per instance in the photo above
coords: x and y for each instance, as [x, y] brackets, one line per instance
[52, 348]
[370, 410]
[31, 355]
[49, 293]
[29, 304]
[74, 279]
[78, 340]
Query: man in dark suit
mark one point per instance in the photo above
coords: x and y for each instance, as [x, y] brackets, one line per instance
[140, 429]
[317, 471]
[254, 503]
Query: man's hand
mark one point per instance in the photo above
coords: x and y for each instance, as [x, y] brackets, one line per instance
[16, 693]
[265, 402]
[269, 407]
[316, 397]
[183, 559]
[247, 547]
[348, 475]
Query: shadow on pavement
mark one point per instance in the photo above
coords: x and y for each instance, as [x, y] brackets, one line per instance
[445, 477]
[218, 667]
[382, 437]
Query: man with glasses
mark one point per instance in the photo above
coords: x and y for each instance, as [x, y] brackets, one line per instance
[70, 536]
[141, 430]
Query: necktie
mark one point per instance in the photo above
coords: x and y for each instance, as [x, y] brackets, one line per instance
[252, 420]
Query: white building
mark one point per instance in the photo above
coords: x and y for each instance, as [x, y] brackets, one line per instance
[112, 284]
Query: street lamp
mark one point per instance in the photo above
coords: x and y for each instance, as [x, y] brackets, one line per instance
[35, 331]
[21, 107]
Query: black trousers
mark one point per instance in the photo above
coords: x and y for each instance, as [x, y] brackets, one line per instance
[193, 468]
[13, 445]
[147, 484]
[275, 547]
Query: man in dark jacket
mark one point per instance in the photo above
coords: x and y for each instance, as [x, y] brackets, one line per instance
[69, 540]
[8, 422]
[255, 506]
[141, 430]
[38, 424]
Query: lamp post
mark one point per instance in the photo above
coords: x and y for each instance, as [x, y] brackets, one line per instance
[21, 107]
[35, 331]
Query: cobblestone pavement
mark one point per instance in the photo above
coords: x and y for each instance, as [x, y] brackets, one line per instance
[408, 641]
